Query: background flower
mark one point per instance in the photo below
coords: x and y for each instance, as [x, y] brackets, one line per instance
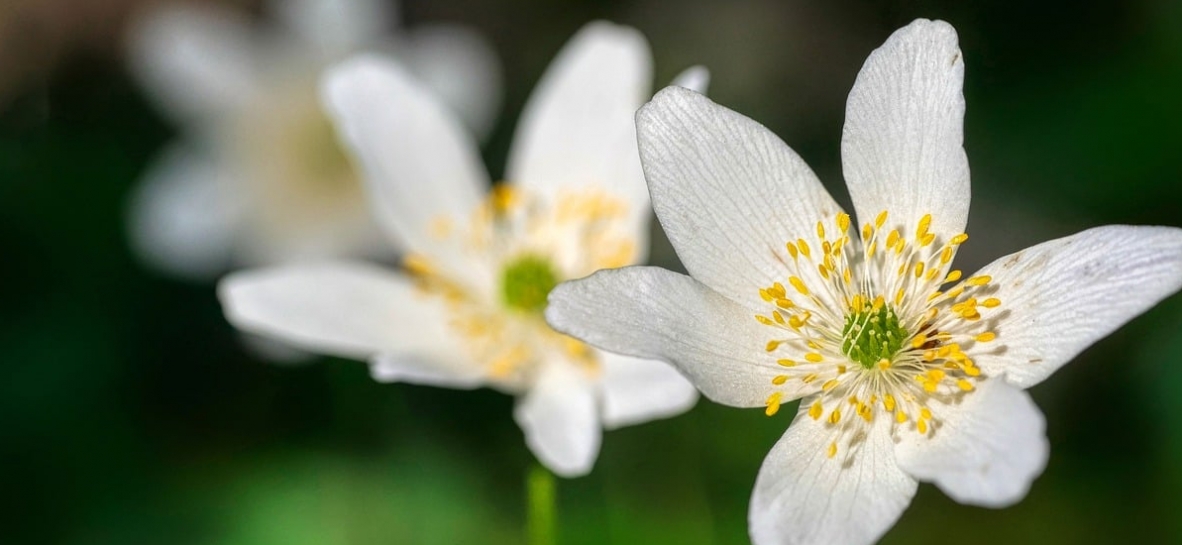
[258, 177]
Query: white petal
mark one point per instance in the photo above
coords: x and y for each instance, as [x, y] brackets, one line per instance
[728, 192]
[334, 28]
[695, 78]
[985, 450]
[185, 214]
[802, 496]
[419, 163]
[902, 146]
[653, 313]
[460, 67]
[558, 416]
[344, 309]
[1059, 297]
[577, 129]
[196, 60]
[415, 369]
[637, 390]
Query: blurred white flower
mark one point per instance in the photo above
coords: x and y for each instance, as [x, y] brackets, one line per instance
[905, 371]
[259, 176]
[466, 310]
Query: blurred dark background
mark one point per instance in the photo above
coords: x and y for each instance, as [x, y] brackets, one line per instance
[130, 413]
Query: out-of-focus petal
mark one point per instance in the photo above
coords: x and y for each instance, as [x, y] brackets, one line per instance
[560, 420]
[637, 390]
[460, 67]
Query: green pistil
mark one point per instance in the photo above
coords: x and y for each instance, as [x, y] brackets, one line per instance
[526, 281]
[870, 335]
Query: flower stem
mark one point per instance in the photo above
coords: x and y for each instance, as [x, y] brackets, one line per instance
[540, 523]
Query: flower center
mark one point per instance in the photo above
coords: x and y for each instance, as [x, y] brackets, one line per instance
[872, 333]
[526, 281]
[865, 326]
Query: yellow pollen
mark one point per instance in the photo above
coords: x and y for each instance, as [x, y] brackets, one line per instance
[843, 221]
[892, 238]
[919, 340]
[832, 450]
[772, 345]
[804, 248]
[763, 320]
[888, 402]
[779, 379]
[965, 385]
[809, 378]
[959, 239]
[813, 357]
[899, 297]
[922, 229]
[986, 337]
[799, 285]
[881, 219]
[815, 410]
[953, 276]
[922, 425]
[786, 363]
[820, 230]
[791, 249]
[865, 411]
[979, 280]
[918, 270]
[925, 413]
[946, 255]
[900, 417]
[991, 302]
[835, 416]
[773, 404]
[928, 239]
[829, 384]
[884, 364]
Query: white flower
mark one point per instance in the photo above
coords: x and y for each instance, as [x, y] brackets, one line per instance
[906, 370]
[258, 176]
[466, 309]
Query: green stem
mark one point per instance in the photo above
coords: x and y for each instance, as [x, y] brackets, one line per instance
[542, 509]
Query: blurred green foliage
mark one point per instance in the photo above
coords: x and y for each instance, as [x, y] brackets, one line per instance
[131, 413]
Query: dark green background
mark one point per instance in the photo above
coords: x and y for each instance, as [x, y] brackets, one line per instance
[129, 413]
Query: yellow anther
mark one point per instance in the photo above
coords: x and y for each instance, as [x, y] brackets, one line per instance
[841, 369]
[815, 410]
[503, 197]
[936, 375]
[867, 231]
[763, 319]
[899, 297]
[919, 269]
[779, 318]
[970, 369]
[929, 355]
[772, 345]
[763, 294]
[823, 271]
[946, 255]
[953, 276]
[965, 385]
[832, 450]
[934, 295]
[785, 363]
[925, 413]
[820, 230]
[986, 337]
[881, 219]
[417, 264]
[892, 238]
[846, 276]
[829, 385]
[927, 240]
[884, 364]
[878, 303]
[813, 357]
[991, 302]
[785, 303]
[795, 322]
[929, 386]
[777, 290]
[954, 292]
[779, 379]
[799, 285]
[922, 425]
[888, 402]
[932, 274]
[809, 378]
[791, 249]
[900, 417]
[959, 239]
[979, 280]
[804, 248]
[773, 403]
[843, 221]
[921, 230]
[835, 416]
[919, 340]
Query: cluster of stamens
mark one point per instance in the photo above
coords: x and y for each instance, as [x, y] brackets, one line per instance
[867, 326]
[529, 247]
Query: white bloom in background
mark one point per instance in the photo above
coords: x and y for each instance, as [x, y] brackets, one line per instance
[466, 310]
[258, 176]
[906, 370]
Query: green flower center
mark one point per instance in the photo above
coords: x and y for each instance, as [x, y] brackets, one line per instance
[872, 334]
[526, 281]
